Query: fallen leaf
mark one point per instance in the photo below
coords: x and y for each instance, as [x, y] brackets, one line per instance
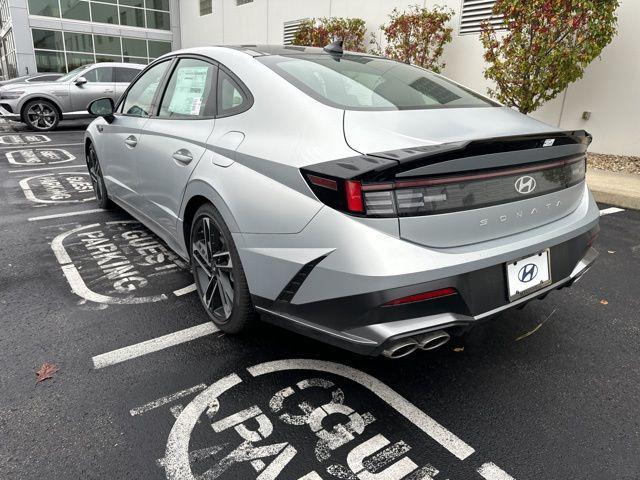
[458, 349]
[604, 302]
[46, 371]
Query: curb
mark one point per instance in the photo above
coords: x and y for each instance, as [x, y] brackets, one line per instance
[613, 188]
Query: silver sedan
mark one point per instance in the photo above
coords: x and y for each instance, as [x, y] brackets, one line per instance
[365, 202]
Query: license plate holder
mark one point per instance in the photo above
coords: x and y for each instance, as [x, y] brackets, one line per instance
[528, 274]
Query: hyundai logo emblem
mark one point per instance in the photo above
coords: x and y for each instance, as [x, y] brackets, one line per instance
[525, 185]
[528, 272]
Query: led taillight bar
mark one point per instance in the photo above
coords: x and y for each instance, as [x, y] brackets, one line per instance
[420, 297]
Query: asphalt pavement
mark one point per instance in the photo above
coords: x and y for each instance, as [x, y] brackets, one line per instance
[147, 388]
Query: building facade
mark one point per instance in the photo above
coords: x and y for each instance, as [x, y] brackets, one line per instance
[60, 35]
[609, 93]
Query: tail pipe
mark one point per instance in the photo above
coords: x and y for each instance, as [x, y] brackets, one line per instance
[406, 346]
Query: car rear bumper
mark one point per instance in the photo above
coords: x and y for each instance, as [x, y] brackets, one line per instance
[362, 324]
[331, 280]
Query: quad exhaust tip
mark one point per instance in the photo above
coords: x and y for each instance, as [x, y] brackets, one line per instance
[406, 346]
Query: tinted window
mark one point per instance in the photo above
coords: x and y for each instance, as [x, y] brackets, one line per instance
[100, 74]
[125, 75]
[140, 96]
[231, 98]
[190, 91]
[370, 83]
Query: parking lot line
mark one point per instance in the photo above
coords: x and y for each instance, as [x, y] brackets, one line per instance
[168, 399]
[153, 345]
[24, 170]
[24, 145]
[490, 471]
[610, 210]
[185, 290]
[68, 214]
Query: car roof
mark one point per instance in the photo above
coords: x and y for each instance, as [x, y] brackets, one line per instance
[139, 66]
[255, 50]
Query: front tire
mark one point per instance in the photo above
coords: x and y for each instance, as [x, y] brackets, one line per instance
[97, 180]
[217, 271]
[41, 115]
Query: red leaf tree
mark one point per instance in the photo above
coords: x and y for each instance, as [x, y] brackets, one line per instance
[319, 32]
[417, 36]
[546, 46]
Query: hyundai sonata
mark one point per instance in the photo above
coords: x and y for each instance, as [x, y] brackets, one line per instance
[362, 201]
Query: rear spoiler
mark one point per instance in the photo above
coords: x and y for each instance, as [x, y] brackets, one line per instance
[468, 155]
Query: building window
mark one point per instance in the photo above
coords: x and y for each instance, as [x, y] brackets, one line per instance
[290, 30]
[474, 13]
[8, 61]
[58, 51]
[243, 2]
[131, 13]
[206, 7]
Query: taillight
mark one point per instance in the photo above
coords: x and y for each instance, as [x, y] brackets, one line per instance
[353, 190]
[420, 297]
[407, 197]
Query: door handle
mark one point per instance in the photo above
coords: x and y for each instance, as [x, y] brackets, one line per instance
[183, 156]
[131, 141]
[108, 91]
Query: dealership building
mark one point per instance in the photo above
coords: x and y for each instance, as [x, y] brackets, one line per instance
[60, 35]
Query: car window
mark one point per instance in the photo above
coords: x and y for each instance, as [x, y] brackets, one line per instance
[140, 95]
[231, 98]
[100, 74]
[371, 83]
[45, 78]
[125, 75]
[72, 74]
[190, 91]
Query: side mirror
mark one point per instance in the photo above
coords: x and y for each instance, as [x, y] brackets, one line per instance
[80, 81]
[102, 107]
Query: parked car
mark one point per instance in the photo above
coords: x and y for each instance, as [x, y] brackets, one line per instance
[365, 202]
[36, 77]
[41, 105]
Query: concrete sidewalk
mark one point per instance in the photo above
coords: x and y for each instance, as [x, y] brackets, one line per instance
[618, 189]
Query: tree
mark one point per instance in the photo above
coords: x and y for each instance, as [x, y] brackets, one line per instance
[417, 36]
[319, 32]
[547, 46]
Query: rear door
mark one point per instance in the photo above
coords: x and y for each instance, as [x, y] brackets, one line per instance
[173, 142]
[121, 157]
[100, 83]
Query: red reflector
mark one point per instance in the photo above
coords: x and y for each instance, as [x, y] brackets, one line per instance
[323, 182]
[353, 190]
[419, 297]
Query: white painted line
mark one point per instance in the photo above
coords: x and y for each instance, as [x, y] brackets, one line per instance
[610, 210]
[153, 345]
[168, 399]
[185, 290]
[68, 214]
[27, 145]
[416, 416]
[45, 168]
[490, 471]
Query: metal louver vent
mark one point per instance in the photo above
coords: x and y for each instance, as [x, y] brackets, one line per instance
[474, 12]
[290, 29]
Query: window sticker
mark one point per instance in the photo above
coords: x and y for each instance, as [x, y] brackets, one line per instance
[189, 92]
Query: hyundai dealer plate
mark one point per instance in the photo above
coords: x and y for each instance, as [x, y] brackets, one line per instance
[528, 274]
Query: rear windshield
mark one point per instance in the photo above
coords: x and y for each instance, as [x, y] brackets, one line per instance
[369, 83]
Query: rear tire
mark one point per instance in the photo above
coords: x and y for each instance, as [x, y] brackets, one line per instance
[97, 180]
[218, 273]
[41, 115]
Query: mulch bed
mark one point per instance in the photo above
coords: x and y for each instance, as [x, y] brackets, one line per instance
[614, 163]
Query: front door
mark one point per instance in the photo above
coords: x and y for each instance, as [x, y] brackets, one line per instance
[123, 150]
[100, 83]
[172, 143]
